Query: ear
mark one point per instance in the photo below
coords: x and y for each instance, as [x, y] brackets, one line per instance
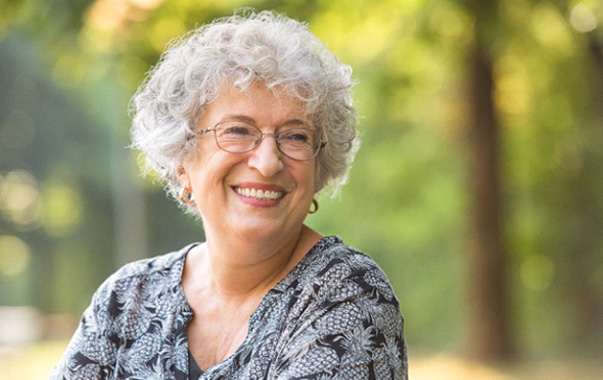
[183, 177]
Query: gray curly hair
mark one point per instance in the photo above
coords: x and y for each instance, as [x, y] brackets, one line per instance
[242, 49]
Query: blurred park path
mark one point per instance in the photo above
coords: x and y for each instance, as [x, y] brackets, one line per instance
[450, 368]
[30, 362]
[36, 361]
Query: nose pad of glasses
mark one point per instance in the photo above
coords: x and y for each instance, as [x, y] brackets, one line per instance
[260, 140]
[267, 159]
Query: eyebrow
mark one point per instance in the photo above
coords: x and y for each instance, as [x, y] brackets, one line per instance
[249, 120]
[242, 118]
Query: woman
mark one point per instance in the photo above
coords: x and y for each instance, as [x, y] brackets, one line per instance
[247, 120]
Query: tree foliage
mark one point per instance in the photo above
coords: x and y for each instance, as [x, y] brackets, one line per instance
[73, 208]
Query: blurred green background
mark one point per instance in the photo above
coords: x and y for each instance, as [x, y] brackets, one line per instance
[473, 114]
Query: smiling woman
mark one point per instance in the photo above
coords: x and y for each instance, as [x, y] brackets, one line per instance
[247, 120]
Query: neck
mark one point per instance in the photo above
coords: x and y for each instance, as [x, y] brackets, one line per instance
[233, 269]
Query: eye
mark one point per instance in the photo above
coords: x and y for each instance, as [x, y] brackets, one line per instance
[236, 130]
[300, 136]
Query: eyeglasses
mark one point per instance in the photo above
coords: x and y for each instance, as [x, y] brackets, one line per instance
[298, 143]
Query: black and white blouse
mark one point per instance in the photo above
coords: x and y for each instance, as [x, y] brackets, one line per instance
[334, 316]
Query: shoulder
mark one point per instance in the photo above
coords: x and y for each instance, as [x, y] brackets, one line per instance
[343, 313]
[332, 251]
[151, 265]
[139, 291]
[156, 271]
[335, 278]
[337, 266]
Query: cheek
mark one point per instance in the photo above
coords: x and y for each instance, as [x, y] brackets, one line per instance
[307, 179]
[213, 173]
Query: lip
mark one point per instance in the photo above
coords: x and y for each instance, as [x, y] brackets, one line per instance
[259, 186]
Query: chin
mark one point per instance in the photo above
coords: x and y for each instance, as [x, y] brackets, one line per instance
[262, 229]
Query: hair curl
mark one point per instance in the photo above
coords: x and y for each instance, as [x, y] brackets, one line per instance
[242, 49]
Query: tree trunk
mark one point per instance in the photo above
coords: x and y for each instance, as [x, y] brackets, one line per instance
[489, 330]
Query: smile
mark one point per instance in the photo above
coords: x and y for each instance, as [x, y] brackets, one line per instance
[263, 195]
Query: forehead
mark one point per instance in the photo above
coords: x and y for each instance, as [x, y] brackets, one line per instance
[258, 103]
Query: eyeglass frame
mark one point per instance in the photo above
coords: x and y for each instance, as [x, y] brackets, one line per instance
[257, 143]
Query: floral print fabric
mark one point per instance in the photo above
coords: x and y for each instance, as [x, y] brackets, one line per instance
[334, 316]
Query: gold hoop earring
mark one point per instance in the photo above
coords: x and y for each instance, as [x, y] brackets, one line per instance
[315, 203]
[186, 196]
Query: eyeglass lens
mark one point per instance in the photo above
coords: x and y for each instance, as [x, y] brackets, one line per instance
[298, 143]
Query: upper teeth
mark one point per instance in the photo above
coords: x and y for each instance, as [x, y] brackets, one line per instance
[259, 194]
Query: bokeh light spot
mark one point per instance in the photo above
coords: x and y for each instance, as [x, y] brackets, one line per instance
[15, 256]
[512, 95]
[69, 70]
[107, 14]
[449, 20]
[537, 272]
[20, 199]
[146, 4]
[583, 19]
[62, 209]
[551, 30]
[164, 31]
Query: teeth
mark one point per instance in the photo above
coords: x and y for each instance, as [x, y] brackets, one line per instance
[259, 194]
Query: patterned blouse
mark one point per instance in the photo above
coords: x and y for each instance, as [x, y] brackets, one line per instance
[334, 316]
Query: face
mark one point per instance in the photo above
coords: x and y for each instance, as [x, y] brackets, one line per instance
[257, 194]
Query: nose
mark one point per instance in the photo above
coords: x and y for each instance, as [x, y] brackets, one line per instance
[266, 158]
